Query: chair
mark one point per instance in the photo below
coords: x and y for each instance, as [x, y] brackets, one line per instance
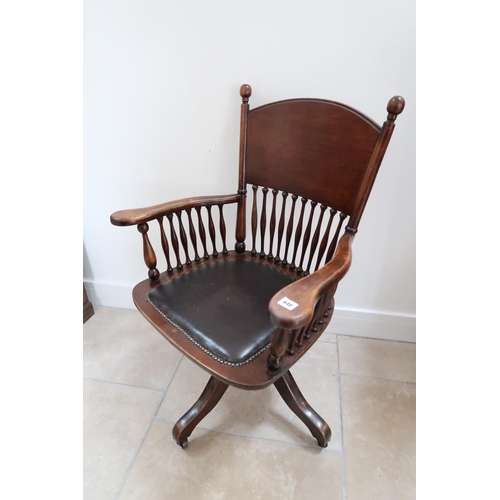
[247, 316]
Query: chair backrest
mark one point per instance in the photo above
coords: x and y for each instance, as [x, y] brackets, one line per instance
[321, 150]
[313, 148]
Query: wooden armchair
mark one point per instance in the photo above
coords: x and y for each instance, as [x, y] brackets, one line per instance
[247, 316]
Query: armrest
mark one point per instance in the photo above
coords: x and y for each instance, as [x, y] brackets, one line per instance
[141, 215]
[308, 290]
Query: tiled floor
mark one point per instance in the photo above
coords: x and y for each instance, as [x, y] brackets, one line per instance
[251, 446]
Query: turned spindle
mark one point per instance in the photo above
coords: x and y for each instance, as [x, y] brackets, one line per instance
[222, 228]
[292, 341]
[333, 244]
[289, 229]
[278, 347]
[174, 240]
[203, 236]
[315, 239]
[184, 240]
[272, 225]
[263, 222]
[192, 236]
[254, 218]
[307, 235]
[164, 244]
[211, 230]
[298, 232]
[149, 254]
[324, 240]
[281, 226]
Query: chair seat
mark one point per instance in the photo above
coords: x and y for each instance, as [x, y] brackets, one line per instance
[222, 306]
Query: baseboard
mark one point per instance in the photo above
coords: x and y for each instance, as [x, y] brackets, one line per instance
[106, 295]
[373, 324]
[357, 323]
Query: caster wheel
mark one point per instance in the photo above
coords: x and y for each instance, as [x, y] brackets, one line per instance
[184, 444]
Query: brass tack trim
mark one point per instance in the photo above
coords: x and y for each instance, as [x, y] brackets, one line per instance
[197, 344]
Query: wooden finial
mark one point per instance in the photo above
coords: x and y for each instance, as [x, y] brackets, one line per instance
[245, 92]
[394, 107]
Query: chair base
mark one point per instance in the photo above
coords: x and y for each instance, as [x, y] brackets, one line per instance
[209, 398]
[288, 390]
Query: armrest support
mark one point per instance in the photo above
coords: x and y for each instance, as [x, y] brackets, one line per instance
[308, 290]
[141, 215]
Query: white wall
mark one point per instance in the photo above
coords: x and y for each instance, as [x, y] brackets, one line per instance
[161, 119]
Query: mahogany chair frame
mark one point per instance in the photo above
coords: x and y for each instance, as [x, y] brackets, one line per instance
[314, 286]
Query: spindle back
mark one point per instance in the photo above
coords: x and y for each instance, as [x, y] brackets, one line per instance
[321, 151]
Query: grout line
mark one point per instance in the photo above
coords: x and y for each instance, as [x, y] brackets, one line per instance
[127, 474]
[314, 447]
[301, 445]
[341, 425]
[372, 338]
[121, 383]
[378, 378]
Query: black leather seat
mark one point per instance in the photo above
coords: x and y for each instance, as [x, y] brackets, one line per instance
[223, 307]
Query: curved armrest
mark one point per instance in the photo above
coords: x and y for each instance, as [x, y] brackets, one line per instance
[308, 290]
[142, 215]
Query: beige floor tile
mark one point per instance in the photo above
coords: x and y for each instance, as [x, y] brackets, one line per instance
[115, 420]
[263, 413]
[379, 438]
[223, 466]
[377, 358]
[119, 345]
[328, 337]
